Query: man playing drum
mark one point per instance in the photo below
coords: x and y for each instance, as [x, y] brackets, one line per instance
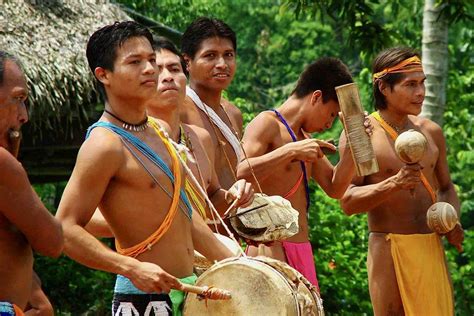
[132, 173]
[406, 264]
[25, 223]
[283, 156]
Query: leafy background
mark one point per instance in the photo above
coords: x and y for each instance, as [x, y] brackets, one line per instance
[276, 39]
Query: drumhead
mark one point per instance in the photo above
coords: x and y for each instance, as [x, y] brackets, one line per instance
[256, 287]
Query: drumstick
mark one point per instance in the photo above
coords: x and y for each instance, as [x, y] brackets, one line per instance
[247, 211]
[232, 206]
[207, 292]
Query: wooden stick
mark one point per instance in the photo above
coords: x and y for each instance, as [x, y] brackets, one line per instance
[231, 207]
[207, 292]
[247, 211]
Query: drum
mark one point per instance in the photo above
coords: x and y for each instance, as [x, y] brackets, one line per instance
[259, 286]
[267, 219]
[201, 264]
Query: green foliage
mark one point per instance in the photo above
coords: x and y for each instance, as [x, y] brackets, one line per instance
[273, 48]
[341, 246]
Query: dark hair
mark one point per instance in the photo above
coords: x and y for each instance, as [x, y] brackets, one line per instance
[4, 56]
[102, 46]
[324, 74]
[389, 58]
[201, 29]
[161, 42]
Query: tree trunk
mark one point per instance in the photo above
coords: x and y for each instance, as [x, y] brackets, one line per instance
[435, 60]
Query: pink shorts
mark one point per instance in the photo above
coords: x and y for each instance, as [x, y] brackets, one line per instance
[299, 255]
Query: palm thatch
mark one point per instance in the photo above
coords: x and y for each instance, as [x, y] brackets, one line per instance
[49, 37]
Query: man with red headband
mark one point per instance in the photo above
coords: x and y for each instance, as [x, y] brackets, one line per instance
[406, 263]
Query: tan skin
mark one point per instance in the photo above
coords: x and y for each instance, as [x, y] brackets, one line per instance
[275, 158]
[125, 193]
[386, 196]
[210, 72]
[25, 223]
[170, 98]
[164, 106]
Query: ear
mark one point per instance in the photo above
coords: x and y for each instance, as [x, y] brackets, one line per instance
[187, 61]
[102, 75]
[316, 96]
[382, 86]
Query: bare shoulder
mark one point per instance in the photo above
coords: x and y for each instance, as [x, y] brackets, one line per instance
[231, 109]
[429, 127]
[102, 147]
[264, 123]
[201, 133]
[12, 173]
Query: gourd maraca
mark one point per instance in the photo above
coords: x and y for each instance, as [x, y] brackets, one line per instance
[410, 147]
[441, 218]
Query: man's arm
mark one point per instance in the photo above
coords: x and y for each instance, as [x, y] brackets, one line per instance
[257, 139]
[98, 226]
[38, 304]
[206, 243]
[335, 180]
[446, 192]
[98, 161]
[360, 197]
[22, 207]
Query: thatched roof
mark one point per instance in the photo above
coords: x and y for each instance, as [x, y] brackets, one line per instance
[49, 37]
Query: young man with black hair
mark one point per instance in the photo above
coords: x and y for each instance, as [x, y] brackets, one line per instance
[209, 49]
[406, 264]
[283, 157]
[25, 223]
[138, 184]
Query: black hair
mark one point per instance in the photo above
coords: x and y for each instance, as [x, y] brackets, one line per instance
[161, 42]
[389, 58]
[324, 74]
[201, 29]
[4, 56]
[103, 44]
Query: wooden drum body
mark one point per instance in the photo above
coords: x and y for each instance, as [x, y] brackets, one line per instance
[259, 286]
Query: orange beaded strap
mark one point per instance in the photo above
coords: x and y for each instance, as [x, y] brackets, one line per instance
[145, 245]
[393, 134]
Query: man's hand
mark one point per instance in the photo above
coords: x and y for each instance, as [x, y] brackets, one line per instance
[150, 278]
[242, 191]
[369, 128]
[456, 237]
[408, 177]
[309, 150]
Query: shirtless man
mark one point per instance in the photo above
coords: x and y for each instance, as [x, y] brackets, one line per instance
[406, 263]
[137, 182]
[283, 156]
[165, 106]
[25, 224]
[209, 49]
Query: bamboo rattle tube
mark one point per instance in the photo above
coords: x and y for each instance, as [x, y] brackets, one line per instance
[361, 147]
